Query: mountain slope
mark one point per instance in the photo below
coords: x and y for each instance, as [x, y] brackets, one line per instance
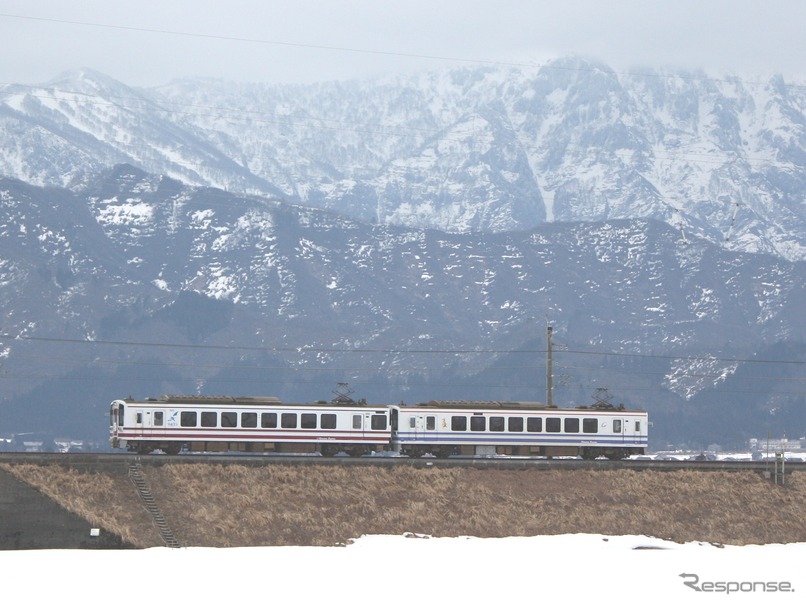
[476, 149]
[233, 293]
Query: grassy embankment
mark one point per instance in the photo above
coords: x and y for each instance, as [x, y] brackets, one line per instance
[217, 505]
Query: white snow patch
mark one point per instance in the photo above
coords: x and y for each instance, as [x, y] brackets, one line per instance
[132, 212]
[201, 219]
[222, 287]
[500, 570]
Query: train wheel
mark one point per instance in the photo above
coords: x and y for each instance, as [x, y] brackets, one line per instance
[172, 449]
[329, 450]
[589, 453]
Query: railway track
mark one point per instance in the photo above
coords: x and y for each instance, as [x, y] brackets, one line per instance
[120, 462]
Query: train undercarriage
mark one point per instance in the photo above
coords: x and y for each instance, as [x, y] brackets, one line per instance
[355, 450]
[325, 449]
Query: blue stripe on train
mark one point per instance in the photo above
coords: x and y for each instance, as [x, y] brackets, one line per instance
[541, 438]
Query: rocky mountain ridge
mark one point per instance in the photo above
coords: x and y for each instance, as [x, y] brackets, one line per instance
[488, 149]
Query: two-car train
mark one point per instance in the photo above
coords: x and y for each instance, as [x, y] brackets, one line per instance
[441, 428]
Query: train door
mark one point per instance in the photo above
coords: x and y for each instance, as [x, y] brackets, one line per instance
[424, 427]
[139, 422]
[116, 417]
[152, 422]
[618, 428]
[367, 424]
[632, 431]
[417, 426]
[358, 425]
[362, 423]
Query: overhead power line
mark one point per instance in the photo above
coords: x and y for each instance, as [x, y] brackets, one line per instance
[368, 350]
[54, 360]
[345, 49]
[266, 349]
[366, 51]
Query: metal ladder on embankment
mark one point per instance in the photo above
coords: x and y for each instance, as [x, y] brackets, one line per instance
[139, 481]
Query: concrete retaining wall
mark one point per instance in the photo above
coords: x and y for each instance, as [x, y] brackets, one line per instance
[31, 520]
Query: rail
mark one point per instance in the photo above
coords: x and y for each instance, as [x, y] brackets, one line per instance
[119, 462]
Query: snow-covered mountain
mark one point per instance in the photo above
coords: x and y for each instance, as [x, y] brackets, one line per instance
[490, 149]
[240, 292]
[278, 239]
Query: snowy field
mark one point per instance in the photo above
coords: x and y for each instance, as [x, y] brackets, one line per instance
[759, 456]
[419, 570]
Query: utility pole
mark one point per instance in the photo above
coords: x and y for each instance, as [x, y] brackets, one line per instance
[549, 369]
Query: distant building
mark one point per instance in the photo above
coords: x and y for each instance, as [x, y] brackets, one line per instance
[66, 445]
[776, 445]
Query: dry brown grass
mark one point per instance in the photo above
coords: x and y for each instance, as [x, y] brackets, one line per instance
[234, 505]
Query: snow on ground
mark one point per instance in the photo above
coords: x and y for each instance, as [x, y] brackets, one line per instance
[415, 569]
[770, 456]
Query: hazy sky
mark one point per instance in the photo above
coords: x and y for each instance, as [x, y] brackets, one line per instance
[151, 42]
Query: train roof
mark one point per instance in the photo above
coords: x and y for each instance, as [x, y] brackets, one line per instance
[208, 400]
[218, 400]
[462, 403]
[434, 404]
[514, 405]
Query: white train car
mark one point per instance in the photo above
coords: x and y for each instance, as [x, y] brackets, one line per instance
[445, 428]
[173, 423]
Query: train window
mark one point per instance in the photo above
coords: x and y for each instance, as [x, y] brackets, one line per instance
[249, 420]
[288, 420]
[229, 419]
[571, 425]
[617, 426]
[534, 425]
[268, 420]
[590, 425]
[308, 421]
[497, 423]
[430, 423]
[458, 423]
[378, 422]
[515, 425]
[187, 419]
[209, 419]
[357, 424]
[412, 422]
[158, 418]
[478, 423]
[139, 418]
[553, 425]
[328, 421]
[637, 426]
